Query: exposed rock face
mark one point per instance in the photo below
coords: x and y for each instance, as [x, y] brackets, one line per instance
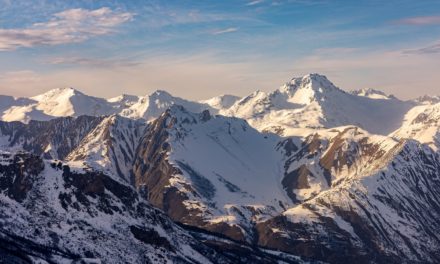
[335, 195]
[53, 139]
[17, 174]
[111, 146]
[383, 202]
[152, 173]
[76, 216]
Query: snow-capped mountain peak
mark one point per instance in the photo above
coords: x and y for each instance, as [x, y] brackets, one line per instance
[428, 99]
[313, 81]
[161, 95]
[124, 100]
[58, 93]
[71, 102]
[373, 94]
[220, 102]
[153, 105]
[312, 102]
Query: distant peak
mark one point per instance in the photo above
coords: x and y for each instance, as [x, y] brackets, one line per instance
[65, 89]
[313, 81]
[57, 92]
[124, 98]
[431, 99]
[161, 93]
[314, 76]
[311, 78]
[372, 93]
[184, 116]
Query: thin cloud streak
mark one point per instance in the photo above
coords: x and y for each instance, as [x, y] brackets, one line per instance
[69, 26]
[224, 31]
[256, 2]
[92, 62]
[431, 49]
[420, 21]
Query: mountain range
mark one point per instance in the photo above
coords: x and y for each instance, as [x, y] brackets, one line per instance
[307, 173]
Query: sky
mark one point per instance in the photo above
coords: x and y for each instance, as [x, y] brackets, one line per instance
[200, 49]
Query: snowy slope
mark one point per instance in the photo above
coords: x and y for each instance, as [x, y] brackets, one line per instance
[337, 180]
[110, 147]
[221, 102]
[422, 123]
[428, 99]
[372, 93]
[9, 101]
[224, 171]
[384, 212]
[124, 100]
[52, 213]
[327, 157]
[56, 103]
[314, 102]
[153, 105]
[70, 102]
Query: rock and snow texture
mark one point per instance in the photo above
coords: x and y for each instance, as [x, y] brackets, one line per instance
[307, 169]
[110, 147]
[153, 105]
[382, 206]
[313, 102]
[422, 123]
[221, 102]
[64, 102]
[227, 171]
[52, 213]
[373, 94]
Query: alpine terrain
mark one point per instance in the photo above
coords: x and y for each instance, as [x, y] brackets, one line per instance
[306, 173]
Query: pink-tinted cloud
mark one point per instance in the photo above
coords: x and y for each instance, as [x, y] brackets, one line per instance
[69, 26]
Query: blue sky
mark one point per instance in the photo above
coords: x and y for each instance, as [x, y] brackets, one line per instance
[198, 49]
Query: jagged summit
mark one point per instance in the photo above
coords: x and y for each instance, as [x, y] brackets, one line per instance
[153, 105]
[428, 99]
[311, 78]
[160, 93]
[312, 81]
[314, 102]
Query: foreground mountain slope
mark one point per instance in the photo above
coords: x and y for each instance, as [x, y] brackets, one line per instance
[381, 203]
[210, 171]
[53, 213]
[313, 102]
[320, 187]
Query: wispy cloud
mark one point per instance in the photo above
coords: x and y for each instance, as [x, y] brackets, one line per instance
[255, 2]
[92, 62]
[17, 77]
[431, 49]
[421, 20]
[69, 26]
[224, 31]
